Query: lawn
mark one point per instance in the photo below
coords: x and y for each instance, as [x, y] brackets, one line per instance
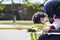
[21, 22]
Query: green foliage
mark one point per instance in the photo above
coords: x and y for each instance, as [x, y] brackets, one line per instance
[2, 6]
[45, 1]
[26, 0]
[34, 6]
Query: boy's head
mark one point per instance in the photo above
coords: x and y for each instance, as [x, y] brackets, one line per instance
[40, 18]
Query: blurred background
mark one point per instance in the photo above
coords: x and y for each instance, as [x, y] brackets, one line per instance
[19, 11]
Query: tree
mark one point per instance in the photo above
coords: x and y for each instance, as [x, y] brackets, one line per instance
[1, 1]
[34, 6]
[45, 1]
[2, 6]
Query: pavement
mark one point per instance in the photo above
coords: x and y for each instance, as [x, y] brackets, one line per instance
[13, 34]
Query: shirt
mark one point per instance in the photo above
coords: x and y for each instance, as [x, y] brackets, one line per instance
[39, 26]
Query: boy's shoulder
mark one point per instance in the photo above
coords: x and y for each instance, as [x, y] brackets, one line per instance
[39, 26]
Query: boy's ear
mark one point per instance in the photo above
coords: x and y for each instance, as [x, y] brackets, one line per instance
[41, 19]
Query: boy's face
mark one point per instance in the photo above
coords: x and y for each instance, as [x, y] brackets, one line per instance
[44, 20]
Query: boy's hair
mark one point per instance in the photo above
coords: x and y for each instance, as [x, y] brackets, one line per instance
[36, 17]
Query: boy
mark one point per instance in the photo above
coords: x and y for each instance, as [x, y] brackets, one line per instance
[39, 20]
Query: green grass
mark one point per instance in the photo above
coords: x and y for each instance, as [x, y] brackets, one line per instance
[21, 22]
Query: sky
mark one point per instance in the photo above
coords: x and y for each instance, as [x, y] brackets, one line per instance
[20, 1]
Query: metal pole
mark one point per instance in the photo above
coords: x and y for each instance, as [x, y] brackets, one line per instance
[14, 20]
[14, 16]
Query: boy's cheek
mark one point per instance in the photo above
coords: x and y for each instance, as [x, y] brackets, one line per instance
[47, 20]
[42, 21]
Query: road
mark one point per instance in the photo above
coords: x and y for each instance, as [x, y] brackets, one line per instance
[13, 34]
